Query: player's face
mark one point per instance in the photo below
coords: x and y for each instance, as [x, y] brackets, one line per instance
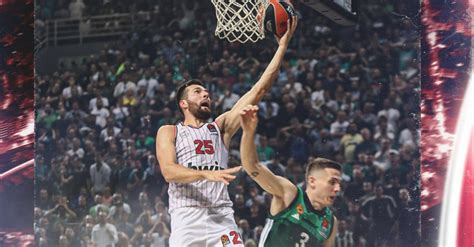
[198, 102]
[327, 184]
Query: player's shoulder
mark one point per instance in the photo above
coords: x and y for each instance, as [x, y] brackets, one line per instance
[167, 127]
[166, 130]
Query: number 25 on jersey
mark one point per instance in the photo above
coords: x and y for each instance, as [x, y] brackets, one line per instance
[204, 147]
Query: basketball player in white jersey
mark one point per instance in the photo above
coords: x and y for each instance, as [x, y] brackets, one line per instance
[193, 158]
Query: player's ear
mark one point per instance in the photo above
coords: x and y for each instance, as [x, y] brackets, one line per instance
[183, 104]
[311, 181]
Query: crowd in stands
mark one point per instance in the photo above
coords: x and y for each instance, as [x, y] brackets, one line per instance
[345, 93]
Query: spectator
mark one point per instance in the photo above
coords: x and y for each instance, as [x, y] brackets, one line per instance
[349, 142]
[72, 90]
[396, 170]
[408, 221]
[76, 8]
[100, 174]
[392, 114]
[275, 166]
[93, 103]
[240, 209]
[129, 99]
[344, 237]
[76, 149]
[43, 200]
[258, 215]
[355, 188]
[104, 234]
[61, 211]
[338, 128]
[244, 229]
[380, 210]
[409, 135]
[151, 84]
[124, 85]
[159, 235]
[383, 130]
[264, 151]
[368, 117]
[382, 157]
[101, 113]
[161, 214]
[98, 206]
[367, 145]
[82, 208]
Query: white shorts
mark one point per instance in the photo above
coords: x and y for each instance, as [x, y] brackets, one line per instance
[204, 227]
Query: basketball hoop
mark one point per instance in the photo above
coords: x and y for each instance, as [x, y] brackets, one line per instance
[240, 20]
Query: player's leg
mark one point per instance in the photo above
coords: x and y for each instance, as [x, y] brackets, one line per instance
[222, 230]
[188, 227]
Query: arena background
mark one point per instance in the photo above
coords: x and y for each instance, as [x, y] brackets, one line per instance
[52, 59]
[130, 57]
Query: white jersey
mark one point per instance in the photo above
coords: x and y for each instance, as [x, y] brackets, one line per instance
[201, 149]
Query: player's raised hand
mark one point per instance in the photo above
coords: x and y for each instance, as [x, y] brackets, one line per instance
[226, 176]
[249, 118]
[285, 39]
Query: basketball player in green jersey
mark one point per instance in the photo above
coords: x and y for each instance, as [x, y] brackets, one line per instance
[297, 218]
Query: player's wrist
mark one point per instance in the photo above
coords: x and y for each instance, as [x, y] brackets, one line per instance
[249, 131]
[283, 45]
[204, 175]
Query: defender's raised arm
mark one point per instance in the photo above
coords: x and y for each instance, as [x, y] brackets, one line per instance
[275, 185]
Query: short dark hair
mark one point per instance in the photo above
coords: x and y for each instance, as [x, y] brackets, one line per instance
[181, 89]
[321, 163]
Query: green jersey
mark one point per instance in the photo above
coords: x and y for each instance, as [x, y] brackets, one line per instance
[299, 225]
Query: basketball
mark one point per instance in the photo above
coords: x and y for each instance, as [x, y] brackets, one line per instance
[277, 15]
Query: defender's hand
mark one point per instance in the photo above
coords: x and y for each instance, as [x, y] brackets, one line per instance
[290, 30]
[226, 176]
[249, 118]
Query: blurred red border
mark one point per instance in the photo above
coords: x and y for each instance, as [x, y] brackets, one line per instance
[16, 120]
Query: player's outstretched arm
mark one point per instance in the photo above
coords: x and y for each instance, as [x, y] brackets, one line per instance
[174, 172]
[229, 121]
[277, 186]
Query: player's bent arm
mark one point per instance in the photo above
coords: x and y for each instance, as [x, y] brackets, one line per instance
[277, 186]
[174, 172]
[332, 238]
[166, 155]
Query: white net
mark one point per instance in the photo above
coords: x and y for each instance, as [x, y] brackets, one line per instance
[240, 20]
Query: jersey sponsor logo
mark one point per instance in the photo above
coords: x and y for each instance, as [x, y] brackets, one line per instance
[225, 240]
[325, 224]
[205, 167]
[296, 216]
[212, 129]
[300, 209]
